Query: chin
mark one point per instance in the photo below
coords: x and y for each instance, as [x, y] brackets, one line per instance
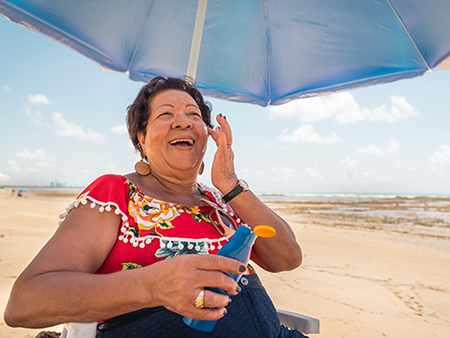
[186, 166]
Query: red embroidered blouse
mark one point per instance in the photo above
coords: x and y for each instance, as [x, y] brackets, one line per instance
[152, 230]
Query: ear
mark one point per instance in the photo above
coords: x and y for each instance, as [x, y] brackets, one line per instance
[141, 138]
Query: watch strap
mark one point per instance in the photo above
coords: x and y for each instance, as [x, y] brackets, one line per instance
[233, 193]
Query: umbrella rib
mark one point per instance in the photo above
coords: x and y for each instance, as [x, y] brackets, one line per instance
[268, 54]
[140, 36]
[407, 32]
[196, 39]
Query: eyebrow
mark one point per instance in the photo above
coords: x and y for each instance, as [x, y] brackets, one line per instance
[164, 105]
[169, 105]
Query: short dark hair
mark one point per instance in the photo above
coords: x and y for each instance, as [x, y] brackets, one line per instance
[139, 113]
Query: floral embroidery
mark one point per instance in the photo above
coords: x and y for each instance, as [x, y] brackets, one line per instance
[131, 189]
[182, 248]
[130, 265]
[201, 216]
[151, 214]
[189, 209]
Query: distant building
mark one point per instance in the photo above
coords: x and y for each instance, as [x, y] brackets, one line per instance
[57, 184]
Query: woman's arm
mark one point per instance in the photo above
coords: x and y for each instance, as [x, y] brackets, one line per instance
[275, 254]
[60, 286]
[279, 253]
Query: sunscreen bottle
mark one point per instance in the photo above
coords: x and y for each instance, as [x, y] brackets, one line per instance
[239, 248]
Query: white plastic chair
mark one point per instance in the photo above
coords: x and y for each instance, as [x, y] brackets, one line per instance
[304, 324]
[79, 330]
[292, 320]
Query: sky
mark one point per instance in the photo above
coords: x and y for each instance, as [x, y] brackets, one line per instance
[62, 119]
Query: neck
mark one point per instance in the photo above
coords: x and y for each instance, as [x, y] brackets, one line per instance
[168, 188]
[176, 184]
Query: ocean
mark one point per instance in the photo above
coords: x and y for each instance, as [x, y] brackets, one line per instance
[429, 210]
[341, 197]
[414, 209]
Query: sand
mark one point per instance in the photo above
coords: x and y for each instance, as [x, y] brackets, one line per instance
[361, 276]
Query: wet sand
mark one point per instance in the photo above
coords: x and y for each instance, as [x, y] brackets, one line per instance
[365, 274]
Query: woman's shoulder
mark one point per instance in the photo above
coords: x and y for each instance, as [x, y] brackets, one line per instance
[108, 187]
[109, 179]
[108, 192]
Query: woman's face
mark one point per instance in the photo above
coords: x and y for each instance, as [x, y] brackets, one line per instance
[176, 136]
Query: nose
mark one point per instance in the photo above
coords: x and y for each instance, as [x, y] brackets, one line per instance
[182, 122]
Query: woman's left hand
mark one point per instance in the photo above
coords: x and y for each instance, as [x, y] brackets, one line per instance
[223, 176]
[279, 253]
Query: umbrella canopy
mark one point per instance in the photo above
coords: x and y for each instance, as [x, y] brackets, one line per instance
[257, 51]
[4, 177]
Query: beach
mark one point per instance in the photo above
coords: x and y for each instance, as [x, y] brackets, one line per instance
[372, 267]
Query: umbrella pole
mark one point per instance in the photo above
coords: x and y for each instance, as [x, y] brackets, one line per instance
[197, 39]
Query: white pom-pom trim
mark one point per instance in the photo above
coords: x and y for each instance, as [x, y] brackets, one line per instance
[103, 206]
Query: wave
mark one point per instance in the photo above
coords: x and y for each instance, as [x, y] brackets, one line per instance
[343, 197]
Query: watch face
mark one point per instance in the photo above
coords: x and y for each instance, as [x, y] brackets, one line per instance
[244, 184]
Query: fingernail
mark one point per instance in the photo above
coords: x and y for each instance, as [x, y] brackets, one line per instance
[229, 300]
[242, 268]
[220, 114]
[224, 117]
[238, 288]
[224, 312]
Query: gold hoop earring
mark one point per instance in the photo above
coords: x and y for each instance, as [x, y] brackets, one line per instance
[202, 167]
[142, 168]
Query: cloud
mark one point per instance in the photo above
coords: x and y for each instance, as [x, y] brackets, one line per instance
[7, 89]
[312, 172]
[348, 162]
[344, 109]
[45, 164]
[120, 130]
[88, 171]
[400, 110]
[374, 175]
[391, 149]
[441, 156]
[307, 134]
[111, 168]
[70, 129]
[287, 174]
[13, 166]
[36, 117]
[38, 99]
[38, 155]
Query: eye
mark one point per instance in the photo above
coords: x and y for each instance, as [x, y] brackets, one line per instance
[165, 114]
[196, 114]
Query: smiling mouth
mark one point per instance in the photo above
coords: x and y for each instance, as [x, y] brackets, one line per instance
[182, 142]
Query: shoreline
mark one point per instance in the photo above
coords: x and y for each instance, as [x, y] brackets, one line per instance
[361, 276]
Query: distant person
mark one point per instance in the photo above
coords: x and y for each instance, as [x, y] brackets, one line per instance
[135, 252]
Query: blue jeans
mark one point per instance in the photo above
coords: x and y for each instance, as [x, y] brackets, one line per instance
[250, 314]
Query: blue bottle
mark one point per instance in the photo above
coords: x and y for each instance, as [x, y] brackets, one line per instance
[238, 247]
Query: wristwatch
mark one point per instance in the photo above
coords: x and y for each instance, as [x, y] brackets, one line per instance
[240, 187]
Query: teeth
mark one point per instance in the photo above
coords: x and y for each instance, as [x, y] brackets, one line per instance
[188, 141]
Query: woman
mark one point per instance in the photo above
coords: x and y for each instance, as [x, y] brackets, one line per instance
[123, 253]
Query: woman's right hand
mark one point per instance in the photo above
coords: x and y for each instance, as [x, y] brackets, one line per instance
[176, 282]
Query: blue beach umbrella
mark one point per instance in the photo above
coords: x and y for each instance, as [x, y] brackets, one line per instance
[265, 52]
